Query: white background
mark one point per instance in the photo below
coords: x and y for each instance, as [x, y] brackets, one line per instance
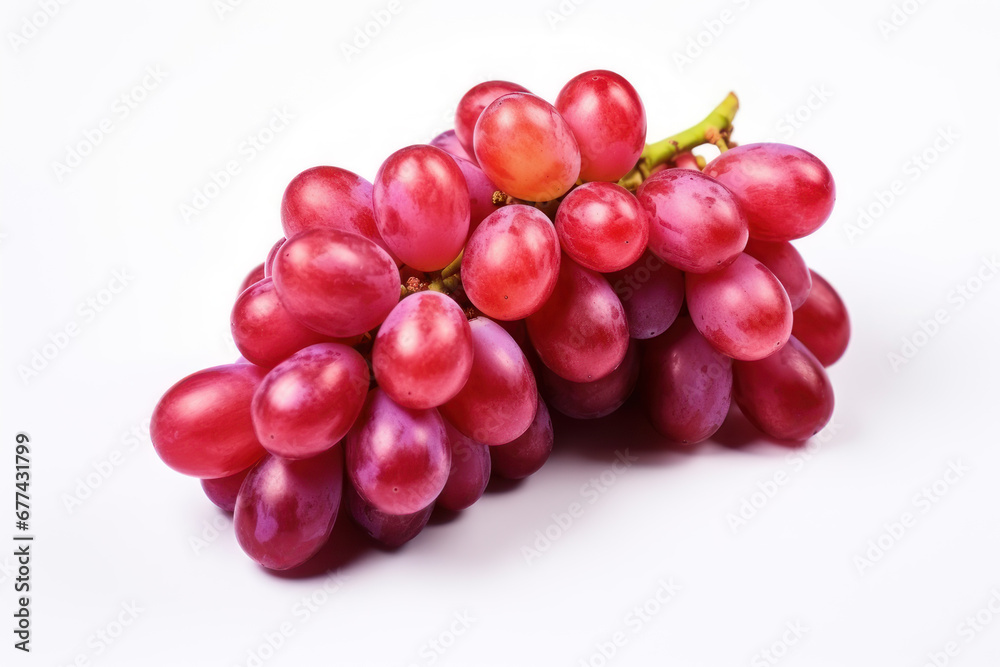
[885, 98]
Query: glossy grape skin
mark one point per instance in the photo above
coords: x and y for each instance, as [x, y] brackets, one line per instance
[423, 351]
[651, 292]
[608, 120]
[449, 143]
[602, 227]
[264, 331]
[286, 509]
[526, 454]
[481, 191]
[336, 283]
[822, 323]
[742, 310]
[592, 400]
[471, 106]
[398, 459]
[511, 263]
[422, 206]
[389, 530]
[202, 426]
[581, 332]
[271, 255]
[526, 148]
[787, 265]
[222, 491]
[685, 384]
[255, 276]
[497, 403]
[788, 395]
[330, 197]
[470, 471]
[695, 224]
[785, 192]
[309, 401]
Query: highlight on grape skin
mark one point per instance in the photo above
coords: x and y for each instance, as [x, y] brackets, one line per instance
[405, 337]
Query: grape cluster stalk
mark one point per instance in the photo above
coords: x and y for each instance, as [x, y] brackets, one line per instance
[405, 338]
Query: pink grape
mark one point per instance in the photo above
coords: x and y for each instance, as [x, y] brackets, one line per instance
[470, 471]
[608, 120]
[685, 384]
[784, 261]
[526, 454]
[223, 490]
[581, 332]
[423, 351]
[526, 148]
[471, 106]
[592, 400]
[390, 530]
[511, 263]
[695, 224]
[286, 509]
[309, 401]
[498, 401]
[202, 426]
[422, 206]
[651, 292]
[255, 276]
[787, 395]
[449, 143]
[822, 323]
[481, 191]
[336, 283]
[742, 310]
[602, 227]
[330, 197]
[786, 192]
[271, 255]
[397, 458]
[264, 331]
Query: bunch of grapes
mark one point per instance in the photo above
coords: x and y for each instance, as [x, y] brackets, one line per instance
[404, 339]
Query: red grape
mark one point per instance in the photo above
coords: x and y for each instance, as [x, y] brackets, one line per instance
[471, 106]
[389, 530]
[423, 352]
[742, 310]
[449, 143]
[651, 292]
[470, 471]
[223, 490]
[785, 191]
[336, 283]
[256, 274]
[264, 331]
[822, 323]
[286, 509]
[592, 400]
[528, 452]
[202, 425]
[784, 261]
[602, 227]
[511, 263]
[608, 120]
[787, 395]
[397, 458]
[481, 191]
[271, 255]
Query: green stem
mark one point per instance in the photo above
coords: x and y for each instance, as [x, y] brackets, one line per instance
[453, 268]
